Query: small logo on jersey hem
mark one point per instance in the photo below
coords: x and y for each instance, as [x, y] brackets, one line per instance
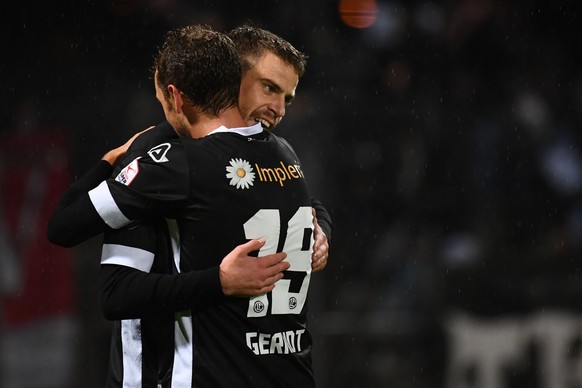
[240, 173]
[258, 306]
[128, 174]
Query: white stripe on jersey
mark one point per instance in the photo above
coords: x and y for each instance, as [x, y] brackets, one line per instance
[182, 371]
[137, 258]
[174, 232]
[106, 207]
[132, 352]
[183, 351]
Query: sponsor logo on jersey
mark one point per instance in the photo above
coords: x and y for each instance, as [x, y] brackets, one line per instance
[284, 342]
[240, 173]
[281, 173]
[128, 174]
[158, 153]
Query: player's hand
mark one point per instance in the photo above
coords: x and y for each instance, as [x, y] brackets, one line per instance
[113, 156]
[244, 275]
[320, 247]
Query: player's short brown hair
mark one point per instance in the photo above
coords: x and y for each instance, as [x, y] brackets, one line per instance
[251, 42]
[203, 64]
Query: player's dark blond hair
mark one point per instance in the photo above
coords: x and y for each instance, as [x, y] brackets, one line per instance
[203, 64]
[251, 43]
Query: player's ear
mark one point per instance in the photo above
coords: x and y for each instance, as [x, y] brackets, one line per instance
[177, 96]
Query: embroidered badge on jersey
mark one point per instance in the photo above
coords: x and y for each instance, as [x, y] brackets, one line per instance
[158, 153]
[240, 174]
[128, 174]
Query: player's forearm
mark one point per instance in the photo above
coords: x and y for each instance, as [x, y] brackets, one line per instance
[75, 220]
[127, 293]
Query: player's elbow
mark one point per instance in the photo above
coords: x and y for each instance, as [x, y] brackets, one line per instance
[58, 235]
[110, 310]
[110, 314]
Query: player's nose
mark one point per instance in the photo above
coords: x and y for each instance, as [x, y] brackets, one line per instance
[278, 108]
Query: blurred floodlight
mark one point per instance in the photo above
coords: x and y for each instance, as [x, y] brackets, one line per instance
[358, 13]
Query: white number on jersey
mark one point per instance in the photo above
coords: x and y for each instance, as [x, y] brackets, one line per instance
[286, 297]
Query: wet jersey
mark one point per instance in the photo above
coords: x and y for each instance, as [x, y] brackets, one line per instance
[222, 190]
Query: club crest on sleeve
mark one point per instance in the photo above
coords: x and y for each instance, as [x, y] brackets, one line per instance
[158, 153]
[240, 173]
[128, 174]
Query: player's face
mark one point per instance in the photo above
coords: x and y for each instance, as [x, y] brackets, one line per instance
[266, 89]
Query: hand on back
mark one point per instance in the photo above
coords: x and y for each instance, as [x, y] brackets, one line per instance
[244, 275]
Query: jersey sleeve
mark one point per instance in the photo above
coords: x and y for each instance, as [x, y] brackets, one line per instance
[153, 182]
[128, 293]
[75, 205]
[138, 276]
[161, 133]
[323, 218]
[136, 247]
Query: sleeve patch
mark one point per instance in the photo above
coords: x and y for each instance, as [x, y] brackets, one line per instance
[128, 174]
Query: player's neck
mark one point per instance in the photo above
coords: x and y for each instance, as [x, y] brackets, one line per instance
[230, 118]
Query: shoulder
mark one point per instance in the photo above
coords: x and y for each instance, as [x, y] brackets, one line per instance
[145, 142]
[278, 140]
[160, 133]
[162, 168]
[284, 145]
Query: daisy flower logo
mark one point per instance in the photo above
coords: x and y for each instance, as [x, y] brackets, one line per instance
[240, 173]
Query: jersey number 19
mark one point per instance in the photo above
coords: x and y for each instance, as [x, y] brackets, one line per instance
[290, 293]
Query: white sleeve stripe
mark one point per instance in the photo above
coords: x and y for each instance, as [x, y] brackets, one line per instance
[106, 207]
[137, 258]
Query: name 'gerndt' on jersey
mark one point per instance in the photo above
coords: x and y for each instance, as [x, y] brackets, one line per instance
[223, 190]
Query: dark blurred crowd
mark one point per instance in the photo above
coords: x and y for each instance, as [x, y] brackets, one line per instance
[444, 140]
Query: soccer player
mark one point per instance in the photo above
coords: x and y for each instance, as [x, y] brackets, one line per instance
[181, 110]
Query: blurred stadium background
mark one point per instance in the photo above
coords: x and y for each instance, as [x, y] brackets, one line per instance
[443, 136]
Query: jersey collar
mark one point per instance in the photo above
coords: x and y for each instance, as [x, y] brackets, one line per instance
[244, 131]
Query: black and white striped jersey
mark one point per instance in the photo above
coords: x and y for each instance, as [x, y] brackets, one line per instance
[222, 190]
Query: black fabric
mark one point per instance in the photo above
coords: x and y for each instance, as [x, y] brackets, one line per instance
[130, 293]
[214, 214]
[75, 205]
[261, 342]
